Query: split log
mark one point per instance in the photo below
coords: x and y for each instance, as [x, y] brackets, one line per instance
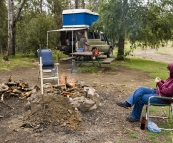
[65, 93]
[16, 91]
[69, 85]
[3, 88]
[11, 83]
[25, 94]
[2, 97]
[58, 86]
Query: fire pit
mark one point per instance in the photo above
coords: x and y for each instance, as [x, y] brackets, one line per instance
[60, 106]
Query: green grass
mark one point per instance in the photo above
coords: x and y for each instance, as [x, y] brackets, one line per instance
[163, 137]
[155, 69]
[17, 61]
[133, 134]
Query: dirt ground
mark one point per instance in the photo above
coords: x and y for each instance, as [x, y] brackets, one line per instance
[106, 124]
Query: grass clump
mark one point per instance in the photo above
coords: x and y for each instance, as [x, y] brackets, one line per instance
[133, 134]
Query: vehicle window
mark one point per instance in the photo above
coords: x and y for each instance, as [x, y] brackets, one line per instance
[90, 35]
[63, 38]
[96, 35]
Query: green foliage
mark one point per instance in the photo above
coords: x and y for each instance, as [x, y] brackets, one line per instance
[142, 25]
[33, 33]
[156, 26]
[34, 23]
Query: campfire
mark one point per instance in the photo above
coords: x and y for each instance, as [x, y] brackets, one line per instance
[60, 104]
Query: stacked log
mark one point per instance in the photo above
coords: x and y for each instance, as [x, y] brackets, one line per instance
[20, 89]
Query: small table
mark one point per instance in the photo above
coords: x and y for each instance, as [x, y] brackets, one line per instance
[81, 57]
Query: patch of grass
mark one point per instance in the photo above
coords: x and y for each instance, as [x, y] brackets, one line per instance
[17, 61]
[87, 69]
[164, 137]
[133, 134]
[156, 69]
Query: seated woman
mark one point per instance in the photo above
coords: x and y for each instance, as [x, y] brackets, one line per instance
[142, 94]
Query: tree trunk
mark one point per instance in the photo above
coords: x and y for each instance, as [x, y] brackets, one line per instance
[10, 33]
[90, 5]
[13, 46]
[83, 4]
[76, 4]
[121, 42]
[120, 55]
[12, 19]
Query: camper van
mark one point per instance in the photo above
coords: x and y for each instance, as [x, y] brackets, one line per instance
[77, 23]
[94, 39]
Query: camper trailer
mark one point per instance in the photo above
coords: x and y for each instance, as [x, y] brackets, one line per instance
[76, 24]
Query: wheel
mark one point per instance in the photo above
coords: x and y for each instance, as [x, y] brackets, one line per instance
[110, 53]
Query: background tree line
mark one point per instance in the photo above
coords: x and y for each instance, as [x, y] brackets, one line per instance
[141, 23]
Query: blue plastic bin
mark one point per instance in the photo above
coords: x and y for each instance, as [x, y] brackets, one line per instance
[80, 49]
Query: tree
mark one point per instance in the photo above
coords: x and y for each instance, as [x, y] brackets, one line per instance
[140, 24]
[12, 20]
[35, 21]
[3, 26]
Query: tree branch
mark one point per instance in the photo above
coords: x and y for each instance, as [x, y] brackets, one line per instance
[20, 6]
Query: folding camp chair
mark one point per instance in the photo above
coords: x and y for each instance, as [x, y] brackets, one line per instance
[170, 106]
[49, 68]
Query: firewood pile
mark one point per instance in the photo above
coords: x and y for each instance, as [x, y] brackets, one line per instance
[20, 89]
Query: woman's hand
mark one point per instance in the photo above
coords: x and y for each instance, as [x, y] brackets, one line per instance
[157, 79]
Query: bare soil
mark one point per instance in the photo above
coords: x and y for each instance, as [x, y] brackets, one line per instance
[106, 124]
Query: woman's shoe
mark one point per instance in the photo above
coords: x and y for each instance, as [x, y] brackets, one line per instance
[124, 104]
[130, 119]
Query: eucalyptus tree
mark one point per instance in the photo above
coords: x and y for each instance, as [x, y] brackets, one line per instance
[139, 23]
[12, 20]
[3, 25]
